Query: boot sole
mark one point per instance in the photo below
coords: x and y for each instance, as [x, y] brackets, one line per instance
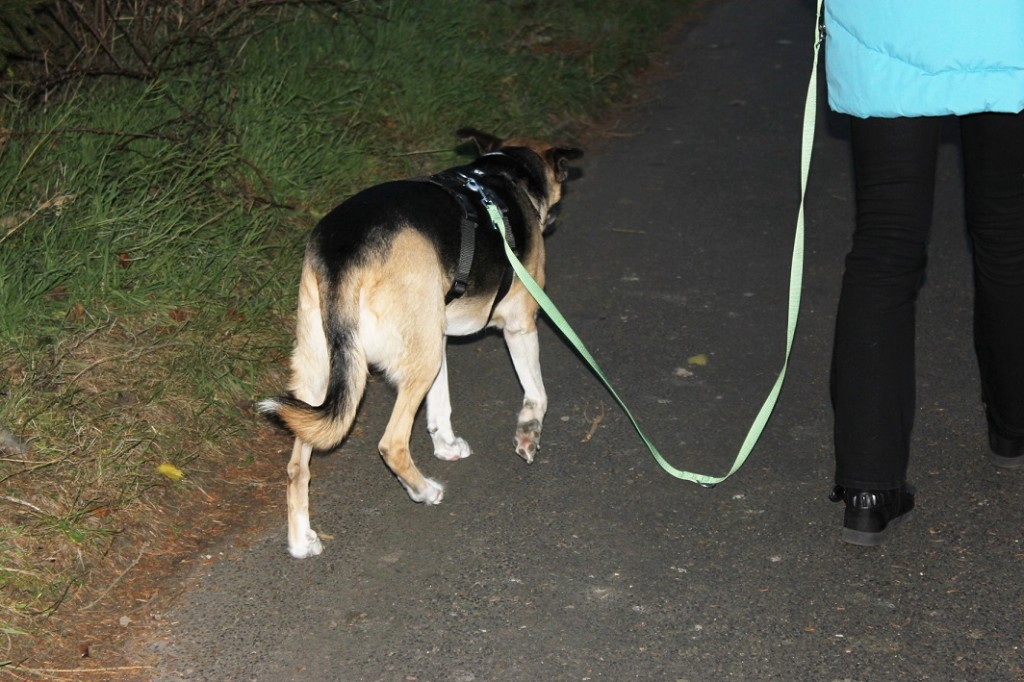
[1006, 453]
[867, 539]
[1006, 462]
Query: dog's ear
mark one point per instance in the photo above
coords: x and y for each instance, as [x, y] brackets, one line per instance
[559, 158]
[485, 142]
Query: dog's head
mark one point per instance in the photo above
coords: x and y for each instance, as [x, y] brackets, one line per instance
[547, 165]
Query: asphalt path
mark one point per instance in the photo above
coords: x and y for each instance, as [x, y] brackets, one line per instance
[593, 564]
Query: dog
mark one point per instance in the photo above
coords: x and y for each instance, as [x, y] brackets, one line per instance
[387, 276]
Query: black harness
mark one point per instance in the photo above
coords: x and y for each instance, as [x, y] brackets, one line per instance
[462, 188]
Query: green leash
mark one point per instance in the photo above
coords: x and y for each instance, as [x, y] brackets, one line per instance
[795, 283]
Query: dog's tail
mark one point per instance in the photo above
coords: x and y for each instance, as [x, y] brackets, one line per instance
[325, 347]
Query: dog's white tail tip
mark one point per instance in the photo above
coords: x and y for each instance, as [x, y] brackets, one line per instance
[268, 406]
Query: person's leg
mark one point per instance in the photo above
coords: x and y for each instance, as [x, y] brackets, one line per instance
[873, 365]
[993, 147]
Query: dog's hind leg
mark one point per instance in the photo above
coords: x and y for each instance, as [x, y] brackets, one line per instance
[310, 369]
[447, 445]
[402, 329]
[413, 372]
[524, 348]
[394, 446]
[302, 539]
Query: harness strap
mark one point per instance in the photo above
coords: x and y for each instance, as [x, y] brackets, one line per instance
[467, 250]
[456, 185]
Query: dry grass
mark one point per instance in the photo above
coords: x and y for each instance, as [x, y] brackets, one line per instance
[83, 501]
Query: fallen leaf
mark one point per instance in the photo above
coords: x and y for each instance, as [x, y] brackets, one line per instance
[170, 471]
[77, 313]
[700, 360]
[180, 314]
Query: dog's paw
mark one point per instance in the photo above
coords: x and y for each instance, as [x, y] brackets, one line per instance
[432, 493]
[306, 546]
[450, 452]
[527, 440]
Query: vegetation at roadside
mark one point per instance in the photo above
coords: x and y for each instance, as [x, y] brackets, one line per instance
[151, 232]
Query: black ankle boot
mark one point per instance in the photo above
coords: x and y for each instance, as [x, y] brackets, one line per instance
[1005, 452]
[870, 513]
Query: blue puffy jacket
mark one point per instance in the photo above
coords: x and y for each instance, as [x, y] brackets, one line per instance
[889, 58]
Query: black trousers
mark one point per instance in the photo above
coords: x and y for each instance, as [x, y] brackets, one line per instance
[873, 365]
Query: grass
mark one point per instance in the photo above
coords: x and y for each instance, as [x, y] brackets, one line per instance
[151, 236]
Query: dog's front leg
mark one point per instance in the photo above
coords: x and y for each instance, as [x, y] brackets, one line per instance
[302, 540]
[524, 348]
[447, 445]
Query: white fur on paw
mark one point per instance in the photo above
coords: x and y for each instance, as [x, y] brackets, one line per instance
[307, 547]
[450, 452]
[527, 440]
[527, 450]
[433, 492]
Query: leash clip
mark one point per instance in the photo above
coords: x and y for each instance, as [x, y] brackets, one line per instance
[474, 186]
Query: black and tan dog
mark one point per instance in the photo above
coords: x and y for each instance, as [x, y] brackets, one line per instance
[387, 276]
